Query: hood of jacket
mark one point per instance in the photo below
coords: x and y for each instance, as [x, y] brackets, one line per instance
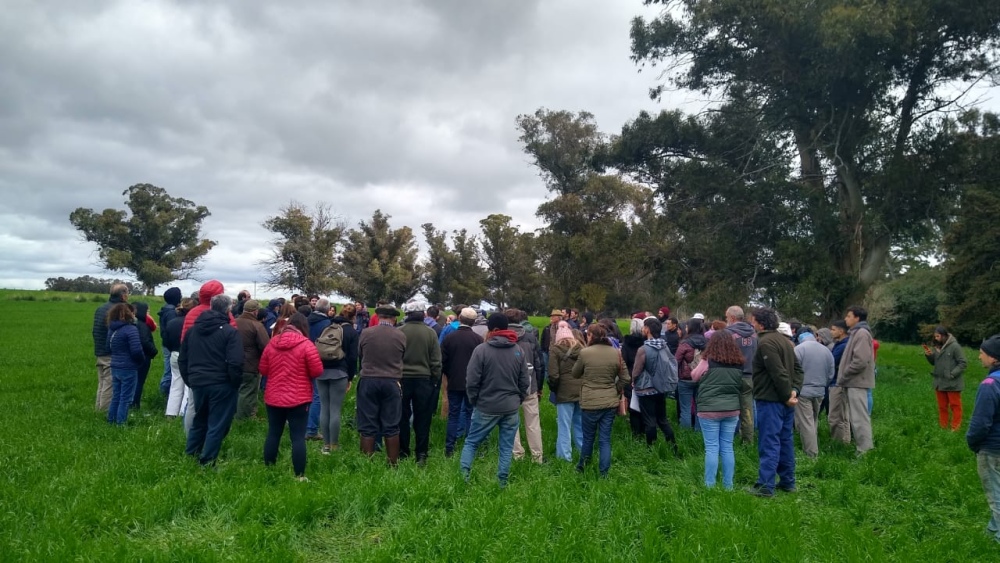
[208, 290]
[340, 320]
[697, 341]
[272, 304]
[501, 338]
[288, 339]
[209, 321]
[115, 325]
[317, 317]
[742, 328]
[251, 315]
[518, 330]
[862, 325]
[430, 321]
[141, 310]
[480, 321]
[568, 352]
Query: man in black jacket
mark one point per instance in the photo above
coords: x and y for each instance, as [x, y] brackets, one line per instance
[211, 363]
[456, 350]
[119, 294]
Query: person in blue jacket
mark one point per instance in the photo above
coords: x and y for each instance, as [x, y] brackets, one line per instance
[983, 436]
[126, 358]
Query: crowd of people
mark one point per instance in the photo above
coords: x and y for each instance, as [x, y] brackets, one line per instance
[736, 378]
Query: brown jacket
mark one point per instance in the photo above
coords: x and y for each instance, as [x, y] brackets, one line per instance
[857, 365]
[604, 378]
[562, 358]
[254, 340]
[381, 348]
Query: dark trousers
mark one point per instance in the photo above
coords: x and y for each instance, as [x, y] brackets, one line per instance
[654, 415]
[140, 382]
[775, 445]
[597, 427]
[296, 417]
[214, 407]
[378, 407]
[635, 421]
[418, 400]
[459, 418]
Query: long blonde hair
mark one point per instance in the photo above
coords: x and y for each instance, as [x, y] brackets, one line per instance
[572, 343]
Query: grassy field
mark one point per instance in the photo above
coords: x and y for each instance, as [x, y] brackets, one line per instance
[74, 488]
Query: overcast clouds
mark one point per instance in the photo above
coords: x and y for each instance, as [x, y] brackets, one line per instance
[241, 106]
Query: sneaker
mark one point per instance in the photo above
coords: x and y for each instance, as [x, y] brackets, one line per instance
[791, 489]
[760, 491]
[302, 479]
[325, 450]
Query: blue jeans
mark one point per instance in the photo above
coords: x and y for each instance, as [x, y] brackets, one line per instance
[775, 445]
[215, 406]
[312, 425]
[989, 474]
[569, 418]
[165, 380]
[685, 404]
[482, 425]
[123, 382]
[718, 434]
[459, 419]
[597, 424]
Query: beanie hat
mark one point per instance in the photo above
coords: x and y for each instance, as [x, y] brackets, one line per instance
[497, 321]
[172, 296]
[992, 347]
[806, 336]
[564, 332]
[468, 313]
[665, 311]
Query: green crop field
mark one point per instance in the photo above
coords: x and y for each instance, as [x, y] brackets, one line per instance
[75, 488]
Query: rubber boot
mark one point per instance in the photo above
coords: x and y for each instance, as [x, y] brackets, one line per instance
[368, 446]
[392, 449]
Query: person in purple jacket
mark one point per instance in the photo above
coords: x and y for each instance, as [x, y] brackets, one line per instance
[126, 357]
[983, 435]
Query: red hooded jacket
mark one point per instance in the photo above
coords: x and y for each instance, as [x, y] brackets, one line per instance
[209, 290]
[290, 363]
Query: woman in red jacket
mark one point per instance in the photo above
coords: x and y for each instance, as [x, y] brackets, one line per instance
[290, 363]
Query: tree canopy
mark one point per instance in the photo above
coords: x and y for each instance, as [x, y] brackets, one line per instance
[157, 239]
[305, 251]
[379, 262]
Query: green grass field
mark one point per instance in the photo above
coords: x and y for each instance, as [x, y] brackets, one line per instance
[74, 488]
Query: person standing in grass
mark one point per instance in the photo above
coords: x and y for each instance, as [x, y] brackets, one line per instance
[604, 379]
[380, 396]
[291, 364]
[856, 376]
[817, 368]
[119, 294]
[497, 383]
[126, 358]
[320, 317]
[720, 383]
[420, 382]
[335, 382]
[654, 374]
[529, 407]
[179, 393]
[456, 352]
[688, 357]
[255, 340]
[983, 435]
[563, 355]
[211, 363]
[840, 428]
[148, 349]
[777, 379]
[949, 368]
[746, 338]
[168, 312]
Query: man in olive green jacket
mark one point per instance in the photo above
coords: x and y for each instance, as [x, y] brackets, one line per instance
[949, 367]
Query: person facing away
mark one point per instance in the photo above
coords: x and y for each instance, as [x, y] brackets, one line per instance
[949, 368]
[630, 345]
[127, 357]
[856, 376]
[102, 351]
[688, 356]
[379, 401]
[178, 394]
[777, 380]
[529, 407]
[319, 317]
[208, 290]
[563, 355]
[817, 373]
[654, 362]
[335, 381]
[746, 339]
[421, 381]
[456, 353]
[255, 340]
[148, 349]
[167, 313]
[720, 383]
[983, 435]
[211, 363]
[291, 364]
[604, 379]
[496, 383]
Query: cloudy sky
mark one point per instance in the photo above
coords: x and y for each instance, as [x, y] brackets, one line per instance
[407, 106]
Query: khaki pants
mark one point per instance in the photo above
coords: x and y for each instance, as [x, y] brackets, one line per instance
[532, 428]
[806, 418]
[840, 426]
[103, 383]
[859, 419]
[746, 410]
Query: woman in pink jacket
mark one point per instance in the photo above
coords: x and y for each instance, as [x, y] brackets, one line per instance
[290, 363]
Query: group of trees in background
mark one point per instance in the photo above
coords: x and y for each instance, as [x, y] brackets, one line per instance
[838, 165]
[89, 284]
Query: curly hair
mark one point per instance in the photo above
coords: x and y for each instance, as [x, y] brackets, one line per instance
[722, 349]
[120, 312]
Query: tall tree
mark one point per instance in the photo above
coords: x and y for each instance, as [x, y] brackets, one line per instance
[845, 85]
[305, 251]
[499, 253]
[437, 267]
[157, 239]
[380, 262]
[468, 280]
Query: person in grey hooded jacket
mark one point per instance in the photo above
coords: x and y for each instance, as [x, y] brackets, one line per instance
[817, 369]
[746, 338]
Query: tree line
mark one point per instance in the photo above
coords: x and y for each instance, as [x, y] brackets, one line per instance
[839, 159]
